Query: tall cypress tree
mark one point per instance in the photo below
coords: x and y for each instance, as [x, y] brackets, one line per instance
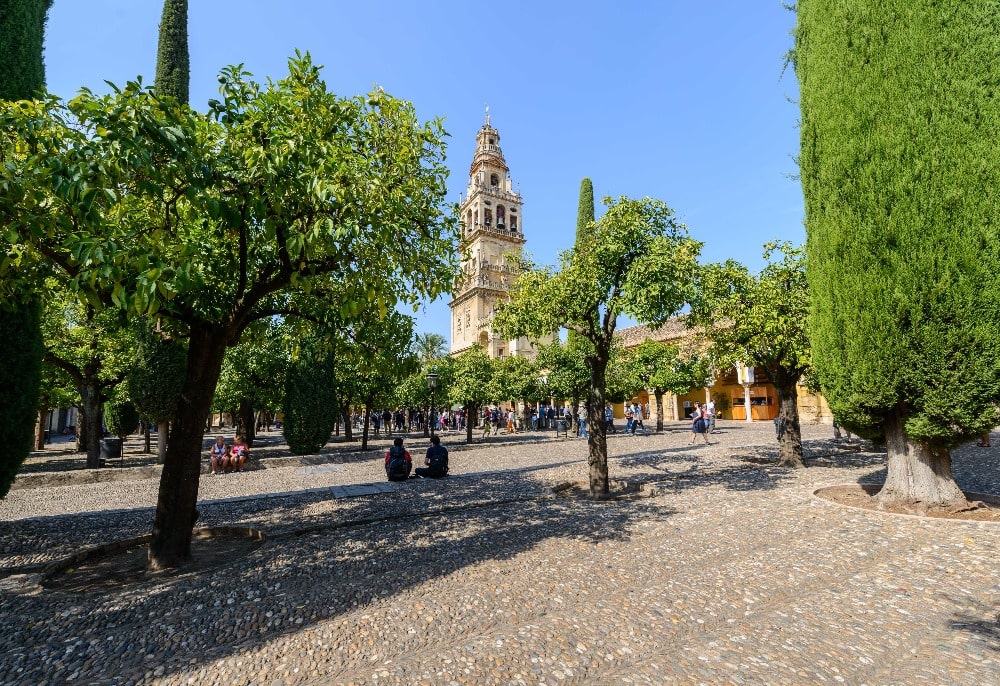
[22, 32]
[585, 208]
[22, 75]
[173, 61]
[900, 170]
[584, 219]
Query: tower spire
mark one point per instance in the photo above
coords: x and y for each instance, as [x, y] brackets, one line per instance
[487, 115]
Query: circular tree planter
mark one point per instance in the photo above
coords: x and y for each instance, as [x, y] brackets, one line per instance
[123, 563]
[862, 496]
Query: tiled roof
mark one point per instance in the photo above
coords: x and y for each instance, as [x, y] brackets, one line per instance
[673, 330]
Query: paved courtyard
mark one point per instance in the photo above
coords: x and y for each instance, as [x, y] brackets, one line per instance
[723, 569]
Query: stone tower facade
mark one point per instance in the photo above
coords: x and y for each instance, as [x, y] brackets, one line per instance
[492, 229]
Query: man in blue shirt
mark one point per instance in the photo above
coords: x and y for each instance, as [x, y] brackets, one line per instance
[436, 461]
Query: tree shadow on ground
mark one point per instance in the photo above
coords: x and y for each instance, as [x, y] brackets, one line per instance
[979, 625]
[679, 468]
[744, 469]
[326, 558]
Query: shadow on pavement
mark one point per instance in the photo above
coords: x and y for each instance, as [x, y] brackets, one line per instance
[986, 629]
[326, 558]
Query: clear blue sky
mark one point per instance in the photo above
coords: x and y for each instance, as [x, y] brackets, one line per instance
[681, 101]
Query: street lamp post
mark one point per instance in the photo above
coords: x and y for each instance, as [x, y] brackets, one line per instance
[432, 382]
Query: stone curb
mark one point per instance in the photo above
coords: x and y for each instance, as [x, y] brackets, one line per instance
[874, 488]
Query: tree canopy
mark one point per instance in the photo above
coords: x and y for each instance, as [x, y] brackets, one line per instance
[638, 261]
[22, 76]
[900, 168]
[760, 320]
[282, 196]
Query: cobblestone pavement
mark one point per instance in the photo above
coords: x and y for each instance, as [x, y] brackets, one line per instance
[730, 572]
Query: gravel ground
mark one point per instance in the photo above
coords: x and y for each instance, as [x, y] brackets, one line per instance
[727, 571]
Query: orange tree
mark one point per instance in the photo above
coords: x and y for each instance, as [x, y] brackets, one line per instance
[214, 221]
[637, 260]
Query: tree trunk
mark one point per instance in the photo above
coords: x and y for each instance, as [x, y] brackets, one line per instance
[162, 431]
[917, 476]
[658, 394]
[93, 431]
[597, 439]
[43, 414]
[147, 448]
[178, 495]
[790, 432]
[348, 429]
[471, 410]
[247, 419]
[364, 428]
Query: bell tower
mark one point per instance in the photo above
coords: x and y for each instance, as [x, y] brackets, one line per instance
[490, 215]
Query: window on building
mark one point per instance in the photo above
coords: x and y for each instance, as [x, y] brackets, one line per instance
[494, 180]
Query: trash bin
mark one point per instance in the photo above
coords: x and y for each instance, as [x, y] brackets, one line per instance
[111, 447]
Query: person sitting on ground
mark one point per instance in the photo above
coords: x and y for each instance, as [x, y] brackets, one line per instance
[239, 454]
[219, 455]
[397, 461]
[436, 461]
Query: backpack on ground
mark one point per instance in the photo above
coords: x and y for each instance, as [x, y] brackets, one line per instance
[397, 468]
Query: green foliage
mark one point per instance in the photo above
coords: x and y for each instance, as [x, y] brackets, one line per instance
[281, 196]
[310, 404]
[56, 389]
[20, 360]
[514, 378]
[22, 75]
[22, 35]
[173, 61]
[662, 367]
[154, 384]
[284, 189]
[622, 378]
[585, 209]
[472, 377]
[900, 170]
[96, 348]
[758, 320]
[637, 261]
[120, 415]
[429, 346]
[255, 368]
[565, 368]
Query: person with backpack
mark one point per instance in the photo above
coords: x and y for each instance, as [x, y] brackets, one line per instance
[398, 461]
[436, 461]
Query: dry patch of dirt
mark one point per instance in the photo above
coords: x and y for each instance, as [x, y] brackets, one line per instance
[863, 496]
[123, 564]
